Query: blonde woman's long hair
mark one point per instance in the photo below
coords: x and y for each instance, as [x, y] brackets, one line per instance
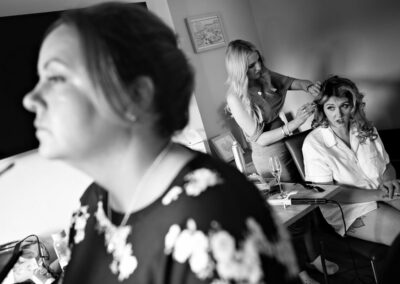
[237, 66]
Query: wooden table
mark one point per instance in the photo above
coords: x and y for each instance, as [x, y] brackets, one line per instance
[292, 213]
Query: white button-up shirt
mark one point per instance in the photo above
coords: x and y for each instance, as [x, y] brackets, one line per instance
[327, 158]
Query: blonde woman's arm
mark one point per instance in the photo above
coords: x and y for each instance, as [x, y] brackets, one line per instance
[246, 122]
[307, 86]
[279, 80]
[253, 129]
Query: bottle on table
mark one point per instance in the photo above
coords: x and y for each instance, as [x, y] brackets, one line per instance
[238, 155]
[60, 243]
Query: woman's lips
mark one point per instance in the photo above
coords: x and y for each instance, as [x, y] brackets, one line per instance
[40, 128]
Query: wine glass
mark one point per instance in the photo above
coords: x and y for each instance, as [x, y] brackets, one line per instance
[276, 171]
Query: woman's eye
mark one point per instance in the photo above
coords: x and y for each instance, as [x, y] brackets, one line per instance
[331, 108]
[346, 106]
[56, 79]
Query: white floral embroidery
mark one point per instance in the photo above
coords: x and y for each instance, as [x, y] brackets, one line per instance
[184, 244]
[79, 220]
[242, 264]
[223, 246]
[219, 281]
[201, 263]
[172, 195]
[124, 262]
[171, 238]
[219, 257]
[281, 249]
[199, 180]
[190, 245]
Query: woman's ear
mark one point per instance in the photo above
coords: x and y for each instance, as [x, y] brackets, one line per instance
[144, 92]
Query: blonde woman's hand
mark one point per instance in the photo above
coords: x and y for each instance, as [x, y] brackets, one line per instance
[314, 89]
[304, 112]
[390, 188]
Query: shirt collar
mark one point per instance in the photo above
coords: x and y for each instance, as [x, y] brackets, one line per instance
[330, 138]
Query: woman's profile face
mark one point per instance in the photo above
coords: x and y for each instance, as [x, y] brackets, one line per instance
[337, 111]
[253, 66]
[70, 122]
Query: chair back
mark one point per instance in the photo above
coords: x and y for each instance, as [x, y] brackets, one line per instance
[294, 145]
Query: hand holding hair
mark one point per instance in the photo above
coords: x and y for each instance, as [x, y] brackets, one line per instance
[391, 188]
[314, 88]
[304, 112]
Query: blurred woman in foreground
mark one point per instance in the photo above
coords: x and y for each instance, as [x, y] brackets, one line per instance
[114, 87]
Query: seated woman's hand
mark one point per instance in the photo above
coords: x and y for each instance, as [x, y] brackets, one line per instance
[391, 188]
[304, 112]
[314, 89]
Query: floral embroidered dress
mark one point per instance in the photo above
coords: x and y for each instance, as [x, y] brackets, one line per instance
[209, 226]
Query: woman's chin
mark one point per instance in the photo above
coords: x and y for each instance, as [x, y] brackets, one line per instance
[48, 152]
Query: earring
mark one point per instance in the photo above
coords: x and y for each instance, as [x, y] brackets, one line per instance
[131, 117]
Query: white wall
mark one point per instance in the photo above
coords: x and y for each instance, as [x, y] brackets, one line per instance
[358, 39]
[37, 196]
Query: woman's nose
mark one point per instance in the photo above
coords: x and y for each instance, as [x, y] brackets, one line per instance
[258, 66]
[32, 100]
[336, 113]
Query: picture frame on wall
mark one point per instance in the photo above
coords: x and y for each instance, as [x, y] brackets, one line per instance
[222, 145]
[206, 31]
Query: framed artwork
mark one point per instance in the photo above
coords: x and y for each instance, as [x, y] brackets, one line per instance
[223, 146]
[206, 32]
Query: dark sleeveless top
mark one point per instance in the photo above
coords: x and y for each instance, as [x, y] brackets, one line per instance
[271, 102]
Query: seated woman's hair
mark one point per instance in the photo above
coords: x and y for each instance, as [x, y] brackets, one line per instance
[236, 62]
[122, 41]
[336, 86]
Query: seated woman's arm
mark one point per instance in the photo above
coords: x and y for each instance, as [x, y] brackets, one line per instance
[352, 194]
[390, 184]
[390, 173]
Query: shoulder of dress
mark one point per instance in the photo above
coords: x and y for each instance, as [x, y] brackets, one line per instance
[314, 137]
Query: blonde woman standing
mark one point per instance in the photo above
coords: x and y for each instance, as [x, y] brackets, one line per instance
[255, 98]
[113, 88]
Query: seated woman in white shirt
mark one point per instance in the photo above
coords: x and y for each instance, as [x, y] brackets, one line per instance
[344, 148]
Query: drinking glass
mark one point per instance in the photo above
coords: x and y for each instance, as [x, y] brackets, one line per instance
[60, 244]
[276, 170]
